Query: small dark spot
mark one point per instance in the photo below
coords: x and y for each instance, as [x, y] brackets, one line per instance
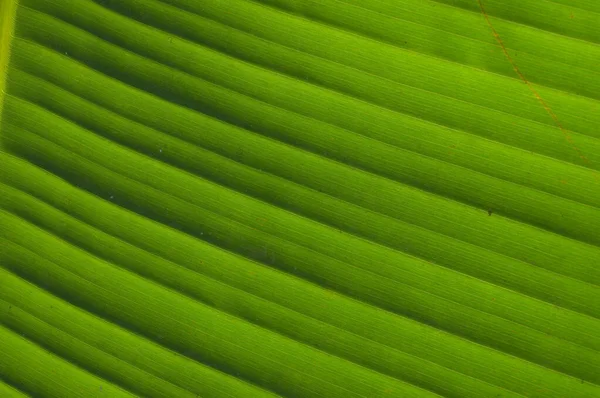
[489, 212]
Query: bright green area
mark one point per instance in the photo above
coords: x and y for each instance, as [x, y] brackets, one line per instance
[333, 198]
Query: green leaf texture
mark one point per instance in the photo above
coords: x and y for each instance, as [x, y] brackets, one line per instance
[303, 198]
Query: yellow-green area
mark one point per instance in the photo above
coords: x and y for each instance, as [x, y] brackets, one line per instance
[301, 198]
[7, 21]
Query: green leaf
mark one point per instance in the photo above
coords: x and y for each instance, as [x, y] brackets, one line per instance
[334, 198]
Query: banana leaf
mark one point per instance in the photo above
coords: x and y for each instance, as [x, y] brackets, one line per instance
[300, 198]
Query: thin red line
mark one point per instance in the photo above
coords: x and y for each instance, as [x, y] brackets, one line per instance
[533, 90]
